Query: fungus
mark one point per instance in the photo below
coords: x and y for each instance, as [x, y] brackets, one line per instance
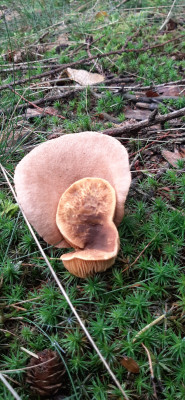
[85, 218]
[43, 175]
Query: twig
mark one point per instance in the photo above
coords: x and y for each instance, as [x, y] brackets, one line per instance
[87, 61]
[24, 67]
[89, 41]
[140, 254]
[151, 370]
[168, 17]
[149, 326]
[29, 352]
[150, 144]
[47, 100]
[144, 124]
[9, 387]
[9, 371]
[34, 105]
[121, 3]
[73, 309]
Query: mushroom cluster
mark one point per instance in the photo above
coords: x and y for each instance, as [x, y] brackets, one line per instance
[72, 190]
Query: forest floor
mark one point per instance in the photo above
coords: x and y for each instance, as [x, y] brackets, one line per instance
[135, 311]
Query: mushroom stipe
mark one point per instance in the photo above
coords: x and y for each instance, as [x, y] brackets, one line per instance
[45, 176]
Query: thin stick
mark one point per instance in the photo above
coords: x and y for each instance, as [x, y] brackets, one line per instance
[151, 369]
[168, 16]
[9, 387]
[140, 254]
[29, 352]
[34, 105]
[9, 371]
[150, 144]
[150, 361]
[149, 326]
[65, 294]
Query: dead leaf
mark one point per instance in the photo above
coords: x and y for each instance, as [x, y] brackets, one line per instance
[171, 25]
[130, 364]
[83, 77]
[172, 90]
[32, 112]
[177, 55]
[151, 93]
[101, 14]
[41, 112]
[173, 157]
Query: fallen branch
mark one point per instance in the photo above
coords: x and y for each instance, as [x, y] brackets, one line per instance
[145, 99]
[87, 61]
[144, 124]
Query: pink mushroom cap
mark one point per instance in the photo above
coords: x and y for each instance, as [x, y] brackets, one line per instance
[44, 174]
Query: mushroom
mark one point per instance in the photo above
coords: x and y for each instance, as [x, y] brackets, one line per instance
[85, 218]
[43, 175]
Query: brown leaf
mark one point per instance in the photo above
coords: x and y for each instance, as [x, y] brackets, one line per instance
[172, 90]
[83, 77]
[173, 157]
[32, 112]
[171, 25]
[36, 112]
[151, 93]
[130, 364]
[101, 14]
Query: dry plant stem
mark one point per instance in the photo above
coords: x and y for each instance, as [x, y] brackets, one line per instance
[140, 254]
[149, 326]
[144, 124]
[150, 144]
[10, 371]
[168, 16]
[24, 67]
[34, 105]
[87, 61]
[29, 352]
[12, 380]
[46, 101]
[88, 44]
[9, 387]
[151, 370]
[65, 294]
[121, 3]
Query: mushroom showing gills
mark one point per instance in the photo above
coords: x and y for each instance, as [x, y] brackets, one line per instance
[49, 170]
[85, 219]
